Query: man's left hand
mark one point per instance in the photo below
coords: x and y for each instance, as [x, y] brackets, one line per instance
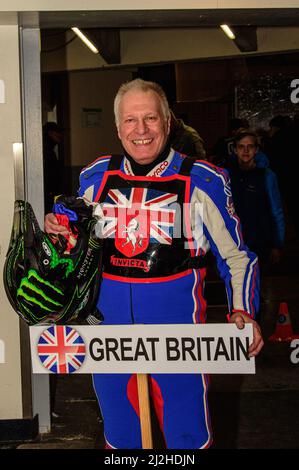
[240, 319]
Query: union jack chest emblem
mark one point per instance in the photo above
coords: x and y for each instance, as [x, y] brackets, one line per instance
[138, 216]
[61, 349]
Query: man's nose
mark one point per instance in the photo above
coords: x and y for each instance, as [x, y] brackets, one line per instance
[141, 126]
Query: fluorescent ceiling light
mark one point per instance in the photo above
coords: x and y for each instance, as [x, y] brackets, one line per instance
[227, 31]
[85, 39]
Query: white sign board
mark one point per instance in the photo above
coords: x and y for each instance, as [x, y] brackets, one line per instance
[213, 348]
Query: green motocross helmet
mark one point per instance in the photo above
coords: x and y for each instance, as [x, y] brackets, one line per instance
[44, 282]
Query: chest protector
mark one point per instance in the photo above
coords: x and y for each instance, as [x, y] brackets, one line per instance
[146, 224]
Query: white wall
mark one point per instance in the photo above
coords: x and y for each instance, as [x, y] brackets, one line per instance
[94, 89]
[52, 5]
[10, 131]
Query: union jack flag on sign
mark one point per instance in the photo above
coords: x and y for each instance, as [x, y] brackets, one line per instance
[61, 349]
[138, 216]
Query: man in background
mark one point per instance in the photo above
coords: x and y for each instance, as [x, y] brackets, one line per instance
[185, 139]
[53, 168]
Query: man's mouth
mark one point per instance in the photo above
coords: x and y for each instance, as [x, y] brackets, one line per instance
[142, 141]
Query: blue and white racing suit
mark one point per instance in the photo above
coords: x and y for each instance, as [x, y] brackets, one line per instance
[151, 275]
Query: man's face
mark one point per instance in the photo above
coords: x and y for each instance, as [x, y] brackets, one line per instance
[246, 150]
[142, 129]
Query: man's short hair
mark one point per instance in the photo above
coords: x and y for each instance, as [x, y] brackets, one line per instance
[242, 133]
[141, 85]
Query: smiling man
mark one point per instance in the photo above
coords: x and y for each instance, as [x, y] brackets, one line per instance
[142, 128]
[160, 212]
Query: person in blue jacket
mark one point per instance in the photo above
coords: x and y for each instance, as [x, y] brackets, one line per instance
[257, 198]
[159, 213]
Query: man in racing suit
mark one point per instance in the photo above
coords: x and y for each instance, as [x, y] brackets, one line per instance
[159, 213]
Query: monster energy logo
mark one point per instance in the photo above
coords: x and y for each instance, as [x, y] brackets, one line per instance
[39, 292]
[94, 244]
[56, 261]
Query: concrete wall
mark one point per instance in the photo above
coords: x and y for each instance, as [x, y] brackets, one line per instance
[92, 90]
[46, 5]
[10, 129]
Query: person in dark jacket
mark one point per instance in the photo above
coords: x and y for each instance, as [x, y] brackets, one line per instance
[282, 149]
[224, 147]
[257, 199]
[185, 139]
[52, 136]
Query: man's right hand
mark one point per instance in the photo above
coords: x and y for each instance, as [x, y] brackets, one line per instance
[52, 226]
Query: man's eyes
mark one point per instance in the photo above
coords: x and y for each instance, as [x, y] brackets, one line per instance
[131, 120]
[151, 118]
[250, 147]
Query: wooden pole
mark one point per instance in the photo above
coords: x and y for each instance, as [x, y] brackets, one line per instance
[144, 411]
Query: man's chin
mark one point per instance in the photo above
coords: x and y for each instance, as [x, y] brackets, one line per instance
[142, 159]
[145, 161]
